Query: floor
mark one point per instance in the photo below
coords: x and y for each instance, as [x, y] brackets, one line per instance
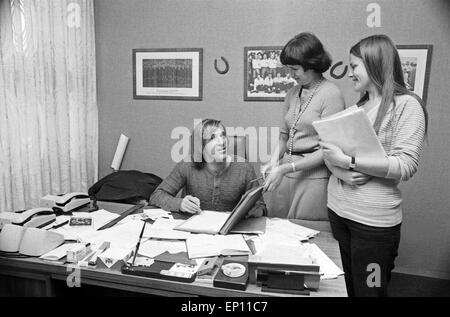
[405, 285]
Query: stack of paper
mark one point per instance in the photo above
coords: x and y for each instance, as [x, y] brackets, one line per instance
[351, 131]
[204, 245]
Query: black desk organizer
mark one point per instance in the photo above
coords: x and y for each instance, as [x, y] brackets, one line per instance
[285, 278]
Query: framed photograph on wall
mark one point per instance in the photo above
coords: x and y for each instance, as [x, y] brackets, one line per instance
[416, 63]
[168, 73]
[265, 78]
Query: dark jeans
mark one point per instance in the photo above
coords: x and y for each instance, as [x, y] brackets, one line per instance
[367, 254]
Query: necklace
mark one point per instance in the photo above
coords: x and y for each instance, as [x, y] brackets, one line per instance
[296, 117]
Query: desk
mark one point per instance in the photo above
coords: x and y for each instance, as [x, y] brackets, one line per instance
[34, 277]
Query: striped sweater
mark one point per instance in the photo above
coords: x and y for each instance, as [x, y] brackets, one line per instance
[378, 202]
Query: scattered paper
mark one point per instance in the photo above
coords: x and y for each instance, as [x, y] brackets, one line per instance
[277, 227]
[205, 245]
[328, 268]
[112, 255]
[164, 229]
[153, 248]
[58, 253]
[157, 213]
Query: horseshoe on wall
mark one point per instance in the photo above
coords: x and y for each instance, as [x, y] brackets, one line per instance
[227, 66]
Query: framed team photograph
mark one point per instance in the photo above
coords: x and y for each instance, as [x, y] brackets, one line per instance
[168, 73]
[416, 64]
[265, 78]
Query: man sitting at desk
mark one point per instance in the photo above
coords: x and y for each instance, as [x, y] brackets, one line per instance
[213, 180]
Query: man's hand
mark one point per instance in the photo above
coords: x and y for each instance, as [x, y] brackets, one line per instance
[190, 204]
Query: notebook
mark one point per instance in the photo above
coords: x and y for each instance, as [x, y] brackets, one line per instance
[219, 222]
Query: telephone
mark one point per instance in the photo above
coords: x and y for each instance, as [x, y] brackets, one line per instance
[33, 218]
[66, 202]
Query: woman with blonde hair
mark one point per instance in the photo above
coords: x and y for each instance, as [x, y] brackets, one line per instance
[364, 201]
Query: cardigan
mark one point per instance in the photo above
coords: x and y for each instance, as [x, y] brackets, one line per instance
[378, 202]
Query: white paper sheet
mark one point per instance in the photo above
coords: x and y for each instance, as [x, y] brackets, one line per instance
[157, 213]
[153, 248]
[164, 229]
[58, 253]
[328, 268]
[205, 245]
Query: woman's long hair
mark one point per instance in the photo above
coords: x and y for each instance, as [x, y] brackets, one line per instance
[384, 68]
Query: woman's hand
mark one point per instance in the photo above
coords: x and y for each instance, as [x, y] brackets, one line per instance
[334, 155]
[274, 178]
[354, 178]
[190, 204]
[349, 177]
[265, 169]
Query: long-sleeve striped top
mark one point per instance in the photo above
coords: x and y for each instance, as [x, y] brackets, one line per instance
[219, 192]
[378, 202]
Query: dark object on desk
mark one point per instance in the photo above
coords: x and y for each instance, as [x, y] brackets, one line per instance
[238, 283]
[125, 187]
[122, 215]
[207, 266]
[158, 270]
[280, 281]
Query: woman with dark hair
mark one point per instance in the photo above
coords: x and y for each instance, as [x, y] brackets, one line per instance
[364, 201]
[296, 174]
[213, 180]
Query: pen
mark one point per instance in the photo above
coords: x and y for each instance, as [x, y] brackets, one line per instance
[256, 179]
[60, 224]
[138, 244]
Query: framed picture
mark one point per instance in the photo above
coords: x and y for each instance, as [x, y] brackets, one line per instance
[167, 73]
[265, 78]
[416, 63]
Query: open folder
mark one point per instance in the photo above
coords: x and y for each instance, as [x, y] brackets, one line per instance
[220, 222]
[351, 131]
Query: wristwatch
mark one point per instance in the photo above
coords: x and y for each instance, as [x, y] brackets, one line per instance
[352, 164]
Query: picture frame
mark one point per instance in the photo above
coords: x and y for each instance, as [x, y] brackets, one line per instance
[257, 84]
[174, 74]
[416, 65]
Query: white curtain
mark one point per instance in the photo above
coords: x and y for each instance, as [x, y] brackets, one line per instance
[48, 106]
